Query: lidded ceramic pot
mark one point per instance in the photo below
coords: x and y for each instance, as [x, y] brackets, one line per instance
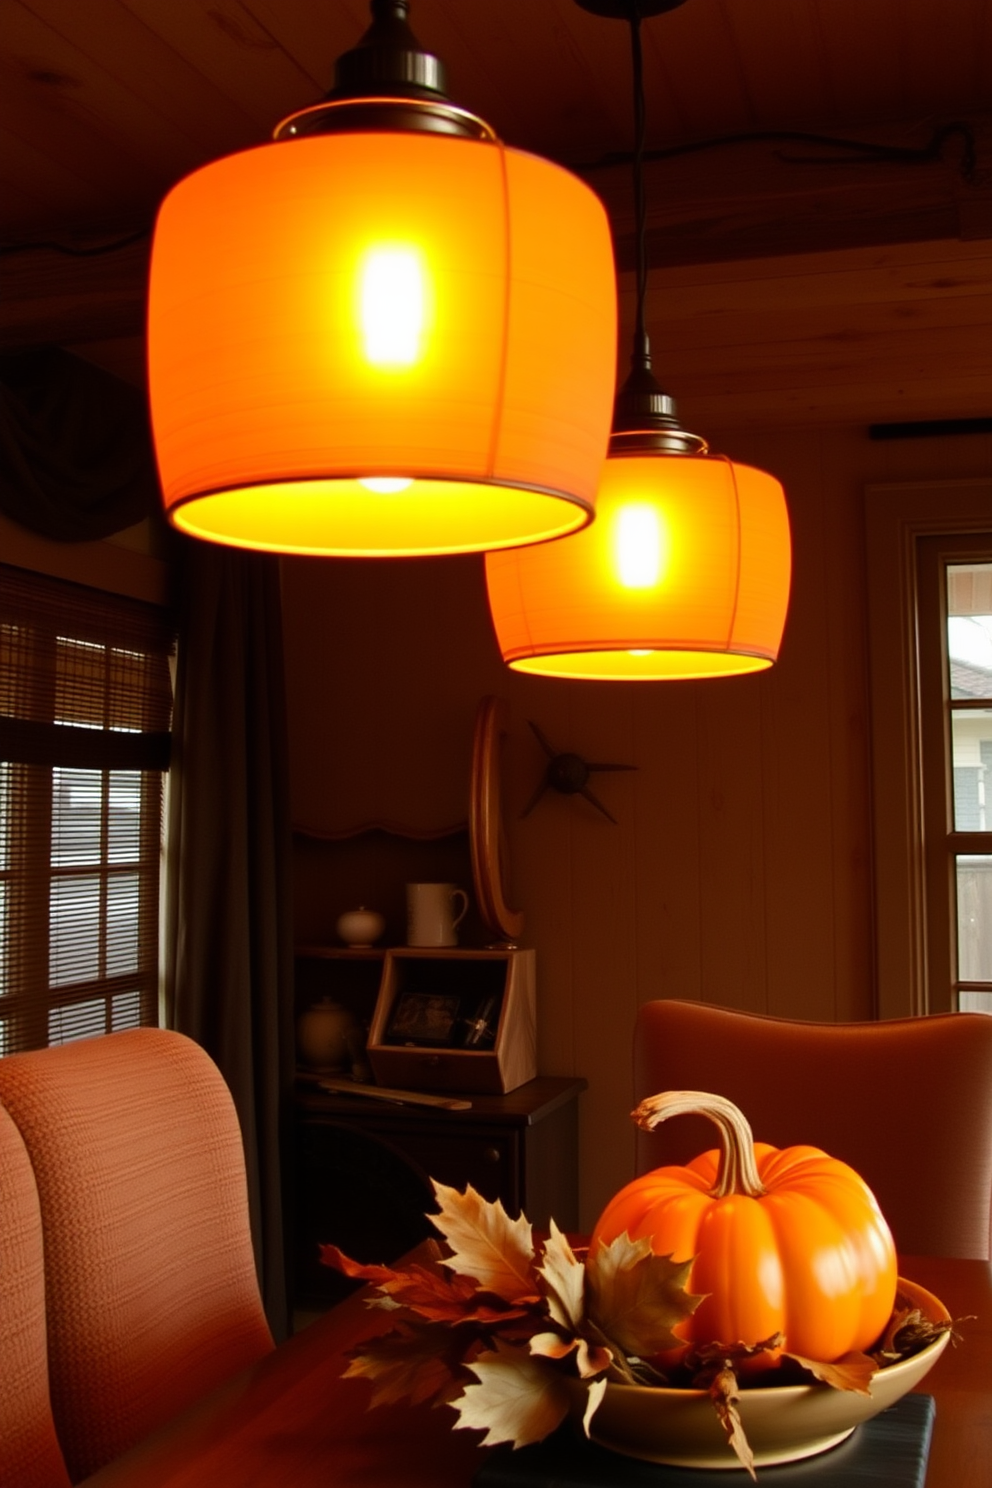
[360, 927]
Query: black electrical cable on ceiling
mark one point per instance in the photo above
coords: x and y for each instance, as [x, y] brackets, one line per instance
[641, 347]
[869, 152]
[96, 252]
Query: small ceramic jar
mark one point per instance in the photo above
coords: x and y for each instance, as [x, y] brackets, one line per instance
[360, 927]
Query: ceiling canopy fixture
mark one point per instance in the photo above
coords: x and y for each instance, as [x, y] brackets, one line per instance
[685, 572]
[384, 334]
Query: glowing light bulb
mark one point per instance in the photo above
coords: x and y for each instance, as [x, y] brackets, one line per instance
[385, 485]
[392, 306]
[639, 546]
[638, 653]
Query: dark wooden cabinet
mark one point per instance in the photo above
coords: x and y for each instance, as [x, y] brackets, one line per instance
[363, 1167]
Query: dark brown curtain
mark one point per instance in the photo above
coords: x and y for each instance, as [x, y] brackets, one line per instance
[76, 464]
[228, 931]
[76, 460]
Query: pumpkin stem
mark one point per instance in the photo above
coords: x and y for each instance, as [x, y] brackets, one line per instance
[738, 1169]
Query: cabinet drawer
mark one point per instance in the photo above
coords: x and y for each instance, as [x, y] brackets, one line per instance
[489, 1161]
[361, 1171]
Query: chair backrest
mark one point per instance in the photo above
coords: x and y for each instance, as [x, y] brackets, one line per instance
[907, 1103]
[150, 1282]
[29, 1451]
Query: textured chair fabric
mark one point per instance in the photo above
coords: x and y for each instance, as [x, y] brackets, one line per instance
[150, 1283]
[29, 1451]
[907, 1103]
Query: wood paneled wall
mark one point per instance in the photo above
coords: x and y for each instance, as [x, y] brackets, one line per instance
[740, 871]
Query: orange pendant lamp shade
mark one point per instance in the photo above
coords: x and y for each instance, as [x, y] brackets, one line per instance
[685, 573]
[686, 570]
[381, 341]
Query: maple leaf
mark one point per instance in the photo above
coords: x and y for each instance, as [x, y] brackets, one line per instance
[594, 1395]
[635, 1298]
[903, 1313]
[414, 1361]
[909, 1330]
[442, 1297]
[703, 1358]
[522, 1324]
[590, 1358]
[724, 1395]
[436, 1295]
[517, 1399]
[564, 1279]
[852, 1371]
[552, 1345]
[378, 1275]
[486, 1244]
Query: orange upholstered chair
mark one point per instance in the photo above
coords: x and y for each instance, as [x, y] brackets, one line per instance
[150, 1281]
[908, 1103]
[29, 1449]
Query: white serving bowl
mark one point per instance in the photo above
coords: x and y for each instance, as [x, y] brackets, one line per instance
[782, 1423]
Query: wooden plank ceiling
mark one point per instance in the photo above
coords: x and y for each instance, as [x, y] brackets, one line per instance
[793, 278]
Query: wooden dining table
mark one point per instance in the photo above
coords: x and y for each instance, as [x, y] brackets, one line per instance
[292, 1420]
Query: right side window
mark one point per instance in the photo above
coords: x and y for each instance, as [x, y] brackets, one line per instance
[955, 651]
[968, 587]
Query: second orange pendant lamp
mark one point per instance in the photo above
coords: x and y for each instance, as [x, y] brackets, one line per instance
[686, 570]
[384, 334]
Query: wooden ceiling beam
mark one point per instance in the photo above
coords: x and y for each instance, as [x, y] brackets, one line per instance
[51, 298]
[756, 198]
[725, 205]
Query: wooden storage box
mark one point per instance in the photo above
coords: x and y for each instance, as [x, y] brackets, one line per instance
[455, 1020]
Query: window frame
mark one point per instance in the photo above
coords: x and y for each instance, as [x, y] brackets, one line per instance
[909, 952]
[943, 843]
[38, 744]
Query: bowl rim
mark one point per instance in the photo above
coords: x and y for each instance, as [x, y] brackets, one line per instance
[931, 1307]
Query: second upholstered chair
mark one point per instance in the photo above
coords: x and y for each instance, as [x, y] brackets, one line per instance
[150, 1285]
[29, 1450]
[907, 1103]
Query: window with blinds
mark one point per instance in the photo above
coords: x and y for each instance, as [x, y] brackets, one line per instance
[85, 709]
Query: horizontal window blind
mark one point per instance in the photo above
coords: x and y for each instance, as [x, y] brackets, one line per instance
[85, 710]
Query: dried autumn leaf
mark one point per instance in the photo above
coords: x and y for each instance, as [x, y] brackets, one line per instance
[414, 1361]
[486, 1244]
[702, 1359]
[564, 1279]
[433, 1294]
[522, 1325]
[383, 1303]
[902, 1313]
[430, 1284]
[441, 1297]
[552, 1345]
[379, 1275]
[594, 1395]
[725, 1397]
[636, 1297]
[909, 1330]
[853, 1371]
[517, 1399]
[590, 1359]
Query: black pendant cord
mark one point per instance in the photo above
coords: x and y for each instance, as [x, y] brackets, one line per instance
[644, 418]
[643, 412]
[641, 351]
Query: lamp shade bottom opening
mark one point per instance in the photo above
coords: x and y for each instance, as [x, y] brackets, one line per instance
[640, 664]
[351, 518]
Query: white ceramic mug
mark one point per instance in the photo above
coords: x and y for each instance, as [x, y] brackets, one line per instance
[431, 919]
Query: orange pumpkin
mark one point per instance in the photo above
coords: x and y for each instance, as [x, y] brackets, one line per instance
[789, 1240]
